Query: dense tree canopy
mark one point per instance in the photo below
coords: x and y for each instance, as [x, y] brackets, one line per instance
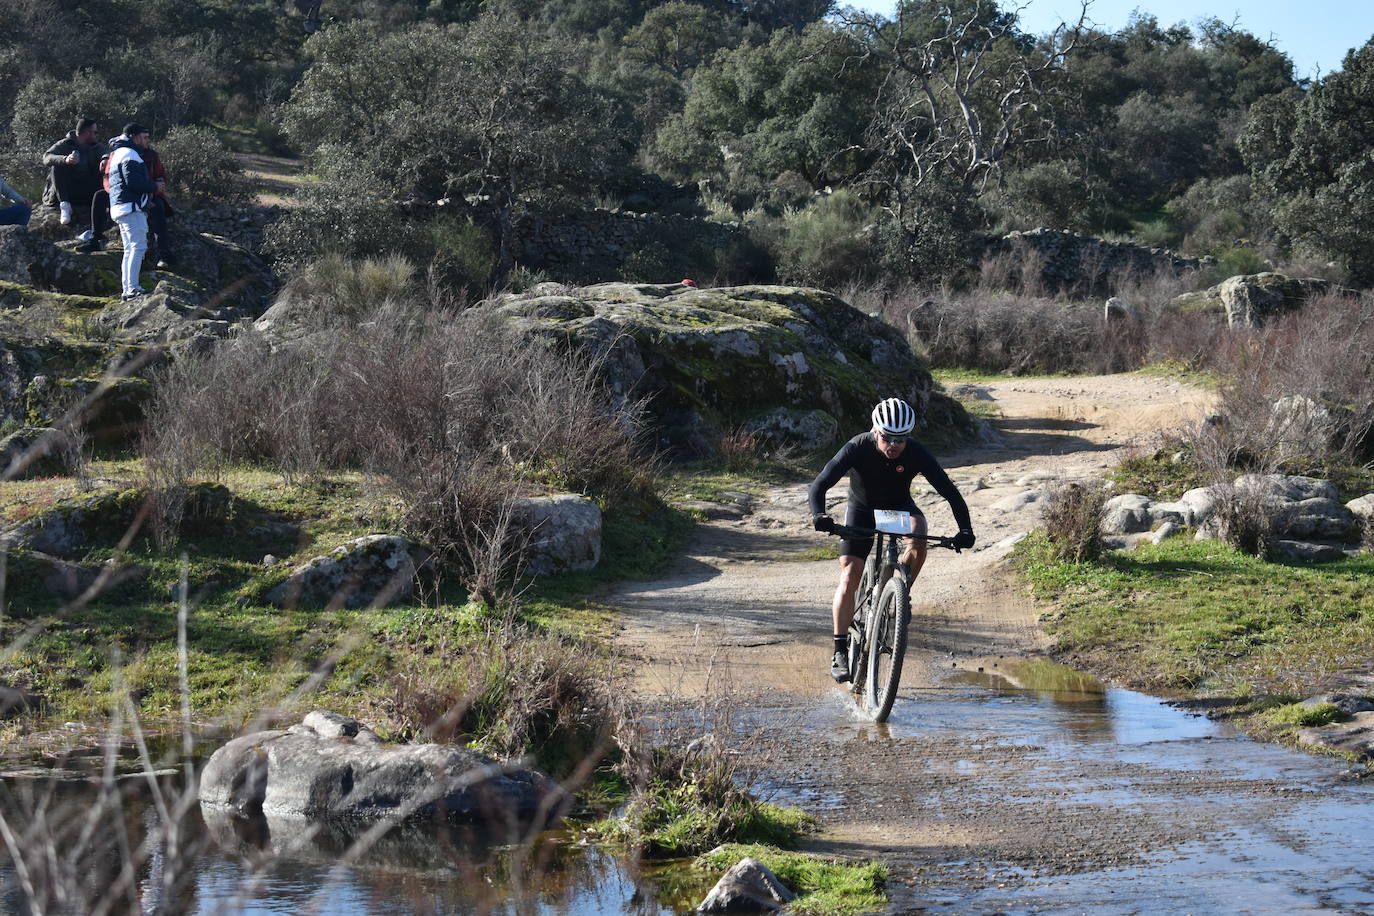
[945, 118]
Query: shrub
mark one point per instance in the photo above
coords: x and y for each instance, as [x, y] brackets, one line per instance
[828, 243]
[1073, 521]
[449, 413]
[463, 253]
[349, 212]
[344, 290]
[200, 170]
[47, 108]
[741, 449]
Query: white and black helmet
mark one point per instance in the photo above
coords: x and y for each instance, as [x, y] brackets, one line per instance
[894, 417]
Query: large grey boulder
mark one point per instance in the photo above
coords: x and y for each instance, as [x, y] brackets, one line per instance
[1285, 488]
[808, 430]
[1249, 300]
[72, 527]
[1201, 503]
[1298, 424]
[174, 311]
[334, 767]
[1362, 507]
[731, 352]
[1318, 518]
[748, 886]
[371, 571]
[1128, 513]
[36, 451]
[29, 260]
[564, 533]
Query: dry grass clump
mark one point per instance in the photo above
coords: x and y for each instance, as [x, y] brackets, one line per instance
[450, 412]
[1073, 521]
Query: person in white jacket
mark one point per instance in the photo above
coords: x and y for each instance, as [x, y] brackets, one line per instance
[131, 190]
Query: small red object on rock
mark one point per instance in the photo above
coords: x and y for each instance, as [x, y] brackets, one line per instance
[688, 281]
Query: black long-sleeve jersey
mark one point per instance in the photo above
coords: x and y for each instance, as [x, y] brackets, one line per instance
[879, 482]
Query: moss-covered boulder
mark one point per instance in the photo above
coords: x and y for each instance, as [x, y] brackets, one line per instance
[713, 358]
[72, 528]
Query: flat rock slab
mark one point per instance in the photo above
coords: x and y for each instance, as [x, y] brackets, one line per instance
[1354, 736]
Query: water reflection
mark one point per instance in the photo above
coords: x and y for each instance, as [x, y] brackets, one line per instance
[84, 849]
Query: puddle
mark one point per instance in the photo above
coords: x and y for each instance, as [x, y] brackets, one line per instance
[263, 866]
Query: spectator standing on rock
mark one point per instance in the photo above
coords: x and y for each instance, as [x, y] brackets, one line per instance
[73, 169]
[159, 209]
[131, 191]
[18, 211]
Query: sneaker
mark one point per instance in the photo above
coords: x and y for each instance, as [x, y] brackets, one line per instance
[85, 236]
[92, 245]
[163, 264]
[839, 668]
[133, 294]
[66, 210]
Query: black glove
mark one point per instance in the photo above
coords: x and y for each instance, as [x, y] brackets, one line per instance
[823, 523]
[964, 539]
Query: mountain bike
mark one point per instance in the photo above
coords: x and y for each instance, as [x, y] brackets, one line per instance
[882, 612]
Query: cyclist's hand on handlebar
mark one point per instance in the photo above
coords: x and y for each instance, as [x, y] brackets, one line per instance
[823, 523]
[964, 539]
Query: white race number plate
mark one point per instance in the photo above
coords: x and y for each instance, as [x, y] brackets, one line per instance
[892, 521]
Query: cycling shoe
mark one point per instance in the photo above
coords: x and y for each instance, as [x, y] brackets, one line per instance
[839, 668]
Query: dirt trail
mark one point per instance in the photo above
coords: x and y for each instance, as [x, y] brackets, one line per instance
[1002, 783]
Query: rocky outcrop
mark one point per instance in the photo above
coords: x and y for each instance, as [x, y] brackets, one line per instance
[28, 260]
[711, 358]
[36, 451]
[808, 430]
[1082, 264]
[332, 766]
[564, 533]
[1249, 300]
[748, 886]
[71, 528]
[371, 571]
[1306, 521]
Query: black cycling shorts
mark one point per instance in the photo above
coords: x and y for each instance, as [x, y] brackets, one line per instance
[861, 516]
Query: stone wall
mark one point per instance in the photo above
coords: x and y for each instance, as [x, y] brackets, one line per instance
[602, 244]
[1081, 264]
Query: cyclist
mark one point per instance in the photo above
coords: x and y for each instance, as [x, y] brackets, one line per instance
[881, 464]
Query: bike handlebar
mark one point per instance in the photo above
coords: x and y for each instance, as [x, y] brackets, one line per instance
[934, 540]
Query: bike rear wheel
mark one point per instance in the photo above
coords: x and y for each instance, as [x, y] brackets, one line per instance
[887, 632]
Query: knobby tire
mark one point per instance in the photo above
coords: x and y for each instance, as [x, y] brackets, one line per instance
[887, 633]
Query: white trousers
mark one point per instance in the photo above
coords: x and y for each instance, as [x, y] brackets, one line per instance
[133, 232]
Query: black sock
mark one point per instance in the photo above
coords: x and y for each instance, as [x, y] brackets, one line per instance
[842, 643]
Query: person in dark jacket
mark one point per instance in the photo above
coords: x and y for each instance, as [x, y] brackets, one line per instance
[131, 192]
[17, 211]
[881, 465]
[159, 210]
[74, 168]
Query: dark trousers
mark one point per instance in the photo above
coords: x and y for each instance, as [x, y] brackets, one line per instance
[73, 186]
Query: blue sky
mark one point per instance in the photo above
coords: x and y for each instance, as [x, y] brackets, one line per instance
[1314, 33]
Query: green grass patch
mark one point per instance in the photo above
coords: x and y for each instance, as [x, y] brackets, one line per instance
[1178, 371]
[1198, 616]
[1297, 715]
[1165, 474]
[825, 552]
[824, 886]
[675, 819]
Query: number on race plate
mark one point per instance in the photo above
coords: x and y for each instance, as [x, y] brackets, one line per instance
[893, 521]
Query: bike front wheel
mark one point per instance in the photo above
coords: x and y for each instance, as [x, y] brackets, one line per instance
[887, 631]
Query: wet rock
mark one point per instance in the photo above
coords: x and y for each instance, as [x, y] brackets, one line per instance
[301, 772]
[747, 887]
[565, 533]
[1355, 736]
[1128, 513]
[371, 571]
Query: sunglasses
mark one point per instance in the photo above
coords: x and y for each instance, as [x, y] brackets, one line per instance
[891, 440]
